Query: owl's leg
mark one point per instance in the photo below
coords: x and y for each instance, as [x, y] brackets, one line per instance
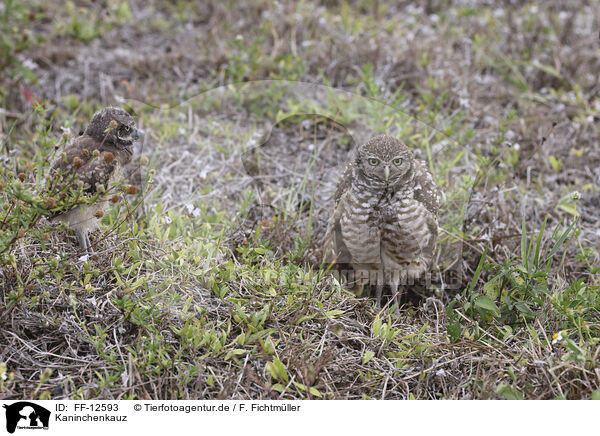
[84, 241]
[399, 293]
[380, 280]
[397, 281]
[378, 293]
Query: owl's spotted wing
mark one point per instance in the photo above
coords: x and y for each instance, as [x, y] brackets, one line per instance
[345, 182]
[92, 170]
[333, 247]
[426, 190]
[79, 166]
[334, 241]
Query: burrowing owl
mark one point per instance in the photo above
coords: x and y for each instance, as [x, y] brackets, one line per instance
[385, 218]
[93, 161]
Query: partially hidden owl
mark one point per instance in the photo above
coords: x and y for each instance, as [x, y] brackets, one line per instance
[385, 218]
[90, 163]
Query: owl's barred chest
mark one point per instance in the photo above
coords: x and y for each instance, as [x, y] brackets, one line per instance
[372, 221]
[379, 209]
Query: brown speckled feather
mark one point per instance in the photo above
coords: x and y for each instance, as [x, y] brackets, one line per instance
[93, 159]
[385, 215]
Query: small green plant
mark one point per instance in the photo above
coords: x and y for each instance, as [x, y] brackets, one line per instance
[22, 198]
[87, 24]
[519, 287]
[16, 17]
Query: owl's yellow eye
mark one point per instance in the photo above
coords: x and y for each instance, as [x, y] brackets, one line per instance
[373, 161]
[397, 161]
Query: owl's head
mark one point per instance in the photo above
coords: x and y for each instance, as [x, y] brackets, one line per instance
[113, 126]
[384, 161]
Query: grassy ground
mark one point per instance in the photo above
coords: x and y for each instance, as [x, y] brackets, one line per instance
[209, 282]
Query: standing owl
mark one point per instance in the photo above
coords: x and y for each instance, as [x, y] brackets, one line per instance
[385, 218]
[93, 161]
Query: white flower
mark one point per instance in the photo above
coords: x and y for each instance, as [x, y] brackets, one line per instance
[192, 210]
[29, 64]
[557, 337]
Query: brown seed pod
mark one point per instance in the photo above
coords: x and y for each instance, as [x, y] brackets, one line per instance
[132, 190]
[85, 153]
[109, 157]
[96, 152]
[45, 237]
[20, 233]
[99, 214]
[77, 162]
[115, 199]
[22, 177]
[95, 257]
[50, 203]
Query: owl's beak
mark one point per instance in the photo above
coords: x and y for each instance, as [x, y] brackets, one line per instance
[137, 134]
[386, 172]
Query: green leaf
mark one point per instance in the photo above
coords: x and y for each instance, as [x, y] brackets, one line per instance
[492, 289]
[376, 327]
[277, 370]
[555, 163]
[367, 356]
[454, 330]
[538, 245]
[486, 303]
[315, 392]
[479, 268]
[300, 386]
[278, 387]
[304, 318]
[508, 392]
[571, 210]
[523, 307]
[235, 352]
[596, 395]
[524, 254]
[334, 313]
[560, 241]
